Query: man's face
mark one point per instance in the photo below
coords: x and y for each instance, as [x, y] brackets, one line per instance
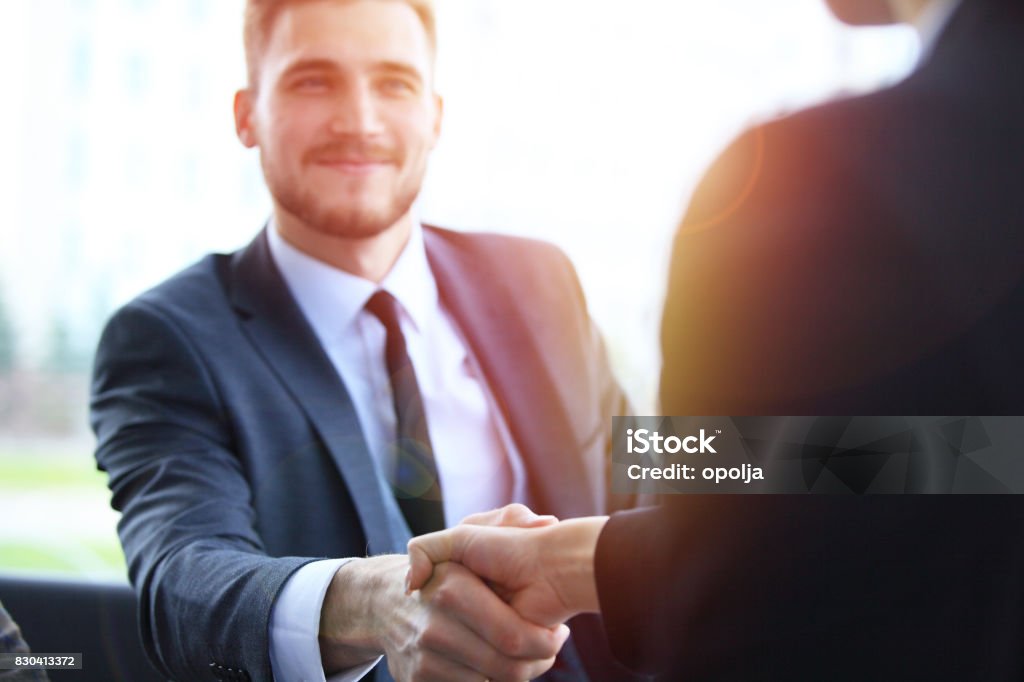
[344, 113]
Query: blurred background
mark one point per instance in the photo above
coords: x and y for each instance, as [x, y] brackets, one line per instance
[583, 122]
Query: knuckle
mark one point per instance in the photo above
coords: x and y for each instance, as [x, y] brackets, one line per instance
[430, 639]
[446, 597]
[511, 643]
[500, 667]
[514, 513]
[433, 670]
[517, 509]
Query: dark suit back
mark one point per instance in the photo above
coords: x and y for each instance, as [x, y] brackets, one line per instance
[865, 257]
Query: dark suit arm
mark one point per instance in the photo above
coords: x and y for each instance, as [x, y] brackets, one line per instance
[784, 587]
[206, 588]
[693, 580]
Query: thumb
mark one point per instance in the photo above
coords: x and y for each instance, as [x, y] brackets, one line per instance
[425, 552]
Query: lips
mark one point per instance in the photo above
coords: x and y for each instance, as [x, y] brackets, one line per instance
[353, 165]
[355, 156]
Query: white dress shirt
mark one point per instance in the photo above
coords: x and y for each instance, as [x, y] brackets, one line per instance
[476, 460]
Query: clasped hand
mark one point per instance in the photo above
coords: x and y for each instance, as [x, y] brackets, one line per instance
[486, 599]
[541, 567]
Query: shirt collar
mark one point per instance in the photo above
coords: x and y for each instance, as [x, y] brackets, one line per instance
[331, 298]
[411, 280]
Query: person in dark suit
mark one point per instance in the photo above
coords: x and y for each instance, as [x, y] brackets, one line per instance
[864, 257]
[276, 423]
[11, 642]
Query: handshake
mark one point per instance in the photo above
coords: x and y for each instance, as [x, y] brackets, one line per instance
[495, 593]
[485, 600]
[542, 567]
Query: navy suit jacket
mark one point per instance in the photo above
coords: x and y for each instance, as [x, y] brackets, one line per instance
[865, 257]
[235, 455]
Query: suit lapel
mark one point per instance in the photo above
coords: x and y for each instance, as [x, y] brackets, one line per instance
[507, 342]
[273, 322]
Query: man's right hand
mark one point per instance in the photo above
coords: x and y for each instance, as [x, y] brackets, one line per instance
[454, 628]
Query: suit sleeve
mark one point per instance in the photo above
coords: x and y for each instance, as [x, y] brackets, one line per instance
[785, 587]
[206, 588]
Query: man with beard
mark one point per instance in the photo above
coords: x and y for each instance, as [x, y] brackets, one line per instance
[348, 380]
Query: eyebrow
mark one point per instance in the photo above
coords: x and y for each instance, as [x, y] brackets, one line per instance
[399, 67]
[386, 66]
[309, 65]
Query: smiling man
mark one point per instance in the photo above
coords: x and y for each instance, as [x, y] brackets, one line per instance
[342, 108]
[278, 422]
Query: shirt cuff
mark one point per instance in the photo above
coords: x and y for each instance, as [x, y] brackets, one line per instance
[295, 627]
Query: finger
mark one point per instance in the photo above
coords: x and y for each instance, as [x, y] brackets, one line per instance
[456, 648]
[491, 517]
[512, 515]
[521, 516]
[450, 637]
[425, 552]
[431, 667]
[562, 632]
[468, 599]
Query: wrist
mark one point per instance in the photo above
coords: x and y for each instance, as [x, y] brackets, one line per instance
[353, 620]
[570, 549]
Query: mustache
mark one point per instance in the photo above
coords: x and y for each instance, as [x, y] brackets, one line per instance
[354, 149]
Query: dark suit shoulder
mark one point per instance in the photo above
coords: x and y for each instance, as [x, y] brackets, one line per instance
[199, 286]
[803, 161]
[846, 241]
[183, 321]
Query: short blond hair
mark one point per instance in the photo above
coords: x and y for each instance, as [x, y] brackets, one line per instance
[261, 14]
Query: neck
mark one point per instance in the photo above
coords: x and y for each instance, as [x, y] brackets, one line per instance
[370, 257]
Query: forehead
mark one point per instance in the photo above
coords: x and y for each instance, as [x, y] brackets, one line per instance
[350, 34]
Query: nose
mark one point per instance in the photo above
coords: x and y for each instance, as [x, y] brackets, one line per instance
[356, 112]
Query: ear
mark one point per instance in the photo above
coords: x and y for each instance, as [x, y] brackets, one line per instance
[438, 116]
[244, 105]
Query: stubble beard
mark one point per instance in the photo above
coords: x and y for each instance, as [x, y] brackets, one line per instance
[349, 221]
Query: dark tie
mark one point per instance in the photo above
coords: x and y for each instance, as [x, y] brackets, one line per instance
[416, 484]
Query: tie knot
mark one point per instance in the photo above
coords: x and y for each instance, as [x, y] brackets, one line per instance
[384, 307]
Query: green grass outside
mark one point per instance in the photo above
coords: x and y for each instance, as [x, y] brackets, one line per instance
[58, 475]
[23, 472]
